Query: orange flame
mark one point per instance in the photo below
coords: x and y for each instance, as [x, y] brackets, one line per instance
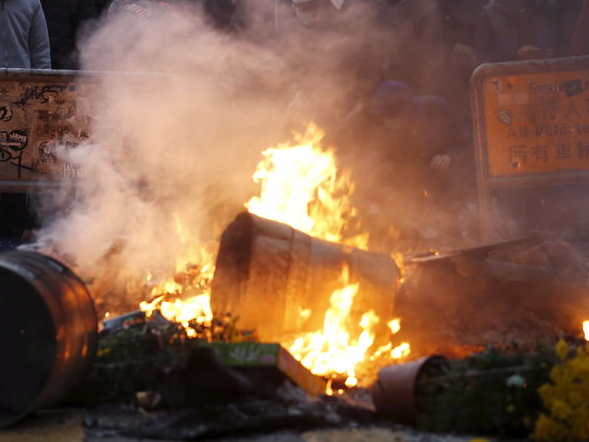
[333, 349]
[301, 186]
[395, 325]
[185, 298]
[401, 351]
[586, 330]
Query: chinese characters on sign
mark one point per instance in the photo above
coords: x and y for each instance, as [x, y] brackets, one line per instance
[537, 123]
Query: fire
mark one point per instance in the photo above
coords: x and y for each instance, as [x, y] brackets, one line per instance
[333, 349]
[185, 298]
[395, 325]
[196, 309]
[301, 187]
[400, 261]
[586, 330]
[401, 351]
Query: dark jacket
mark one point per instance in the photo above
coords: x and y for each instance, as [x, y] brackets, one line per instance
[23, 35]
[417, 55]
[65, 18]
[504, 26]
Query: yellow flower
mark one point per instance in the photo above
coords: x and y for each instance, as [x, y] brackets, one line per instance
[103, 352]
[566, 399]
[562, 349]
[560, 410]
[549, 430]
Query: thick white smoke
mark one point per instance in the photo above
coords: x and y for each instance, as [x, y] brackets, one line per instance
[178, 130]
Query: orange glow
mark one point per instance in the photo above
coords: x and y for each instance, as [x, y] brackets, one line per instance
[333, 349]
[328, 389]
[400, 262]
[395, 325]
[185, 297]
[301, 186]
[402, 351]
[586, 330]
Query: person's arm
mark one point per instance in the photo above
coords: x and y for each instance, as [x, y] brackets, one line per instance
[39, 41]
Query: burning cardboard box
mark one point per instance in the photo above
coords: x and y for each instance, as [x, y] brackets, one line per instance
[278, 280]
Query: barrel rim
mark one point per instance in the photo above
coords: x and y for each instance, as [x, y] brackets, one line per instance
[48, 395]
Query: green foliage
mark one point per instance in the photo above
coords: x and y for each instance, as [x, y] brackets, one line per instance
[493, 392]
[128, 360]
[131, 359]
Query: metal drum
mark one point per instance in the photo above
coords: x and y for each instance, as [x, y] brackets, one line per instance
[279, 280]
[48, 332]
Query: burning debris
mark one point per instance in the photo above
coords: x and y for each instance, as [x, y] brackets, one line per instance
[301, 253]
[331, 303]
[219, 386]
[329, 314]
[302, 186]
[329, 321]
[299, 273]
[528, 291]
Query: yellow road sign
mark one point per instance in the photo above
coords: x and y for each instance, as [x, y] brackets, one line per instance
[537, 123]
[531, 126]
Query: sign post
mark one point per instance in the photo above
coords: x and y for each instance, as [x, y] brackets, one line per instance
[531, 125]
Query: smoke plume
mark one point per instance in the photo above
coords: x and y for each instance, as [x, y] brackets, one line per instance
[180, 116]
